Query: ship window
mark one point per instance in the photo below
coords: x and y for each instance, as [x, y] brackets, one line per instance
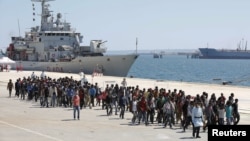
[66, 34]
[61, 38]
[123, 58]
[80, 60]
[40, 34]
[53, 34]
[108, 59]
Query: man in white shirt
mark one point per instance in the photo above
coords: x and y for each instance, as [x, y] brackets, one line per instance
[43, 75]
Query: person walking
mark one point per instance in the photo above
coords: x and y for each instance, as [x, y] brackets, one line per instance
[46, 96]
[122, 104]
[70, 94]
[114, 96]
[54, 95]
[10, 87]
[81, 95]
[209, 114]
[167, 111]
[236, 115]
[134, 110]
[17, 88]
[142, 106]
[76, 106]
[92, 93]
[33, 76]
[221, 114]
[188, 118]
[229, 113]
[151, 109]
[43, 75]
[124, 83]
[23, 89]
[197, 119]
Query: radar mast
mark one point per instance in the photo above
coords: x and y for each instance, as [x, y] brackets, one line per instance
[45, 13]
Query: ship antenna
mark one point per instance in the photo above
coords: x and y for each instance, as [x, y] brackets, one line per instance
[136, 45]
[242, 43]
[19, 27]
[246, 46]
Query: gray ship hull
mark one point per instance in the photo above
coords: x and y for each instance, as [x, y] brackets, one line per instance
[115, 65]
[211, 53]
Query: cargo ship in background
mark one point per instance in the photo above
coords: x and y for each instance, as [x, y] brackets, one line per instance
[211, 53]
[55, 46]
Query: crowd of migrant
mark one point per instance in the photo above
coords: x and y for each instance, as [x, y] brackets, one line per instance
[148, 106]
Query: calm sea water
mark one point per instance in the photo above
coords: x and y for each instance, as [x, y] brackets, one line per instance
[181, 68]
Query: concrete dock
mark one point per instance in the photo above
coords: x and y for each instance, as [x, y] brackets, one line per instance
[24, 120]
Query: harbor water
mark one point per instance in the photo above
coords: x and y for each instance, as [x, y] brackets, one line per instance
[182, 68]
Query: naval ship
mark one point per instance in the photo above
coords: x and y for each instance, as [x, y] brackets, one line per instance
[55, 46]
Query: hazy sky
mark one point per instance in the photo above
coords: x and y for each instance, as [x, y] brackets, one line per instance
[158, 24]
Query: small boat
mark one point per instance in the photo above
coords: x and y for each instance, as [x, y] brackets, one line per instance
[158, 55]
[217, 79]
[226, 82]
[155, 55]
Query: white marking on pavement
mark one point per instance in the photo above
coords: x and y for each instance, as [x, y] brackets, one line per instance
[30, 131]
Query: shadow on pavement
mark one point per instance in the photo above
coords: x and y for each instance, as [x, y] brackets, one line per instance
[68, 120]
